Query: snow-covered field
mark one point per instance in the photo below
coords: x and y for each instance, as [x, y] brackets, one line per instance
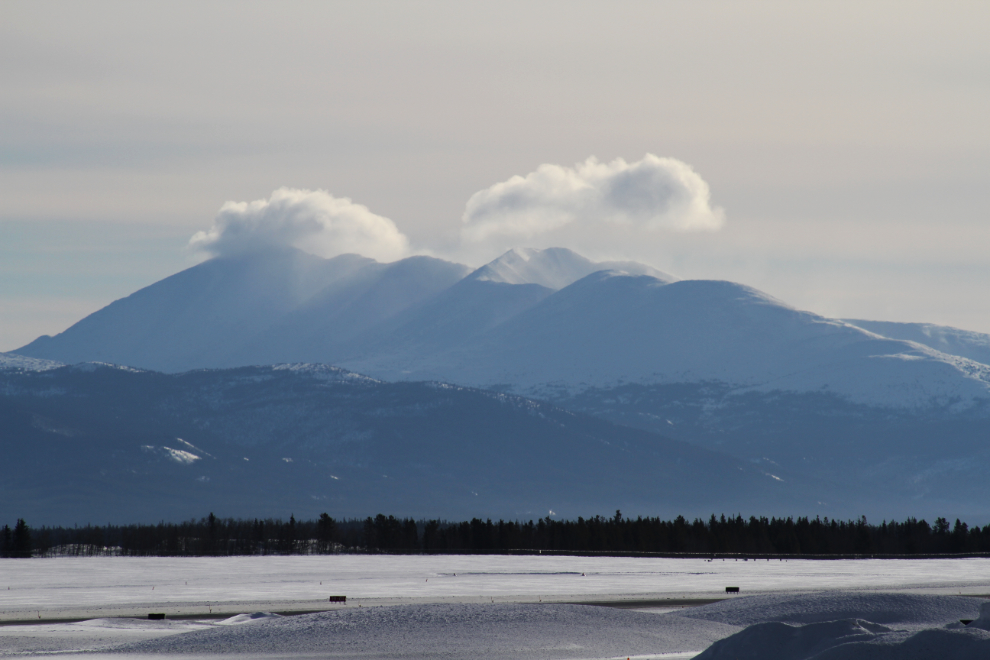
[49, 586]
[476, 596]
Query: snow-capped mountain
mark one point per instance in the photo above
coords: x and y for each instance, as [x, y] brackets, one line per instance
[554, 268]
[206, 315]
[885, 414]
[528, 321]
[609, 329]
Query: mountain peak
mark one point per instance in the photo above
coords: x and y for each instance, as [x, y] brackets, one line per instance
[554, 268]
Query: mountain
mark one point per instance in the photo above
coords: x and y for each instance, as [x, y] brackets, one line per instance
[283, 305]
[609, 328]
[98, 443]
[972, 345]
[213, 314]
[894, 416]
[347, 309]
[553, 268]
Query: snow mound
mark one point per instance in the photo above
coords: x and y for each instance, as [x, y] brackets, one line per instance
[784, 641]
[848, 640]
[239, 619]
[826, 626]
[983, 621]
[490, 632]
[901, 610]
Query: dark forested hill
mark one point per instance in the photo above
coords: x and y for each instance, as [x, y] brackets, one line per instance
[96, 443]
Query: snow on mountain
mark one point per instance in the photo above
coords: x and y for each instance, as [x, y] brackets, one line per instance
[608, 329]
[945, 339]
[452, 318]
[553, 268]
[235, 310]
[488, 297]
[531, 321]
[189, 319]
[22, 363]
[347, 309]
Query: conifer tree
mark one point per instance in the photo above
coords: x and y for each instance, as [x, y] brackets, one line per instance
[21, 541]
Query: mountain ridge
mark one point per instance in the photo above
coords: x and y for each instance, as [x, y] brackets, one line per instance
[100, 442]
[501, 325]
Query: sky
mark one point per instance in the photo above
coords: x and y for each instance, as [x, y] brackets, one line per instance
[834, 155]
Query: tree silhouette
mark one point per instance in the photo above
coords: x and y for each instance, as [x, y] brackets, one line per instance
[21, 540]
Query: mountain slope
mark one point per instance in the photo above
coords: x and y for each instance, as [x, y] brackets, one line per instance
[608, 329]
[972, 345]
[195, 316]
[98, 443]
[348, 309]
[553, 268]
[247, 309]
[506, 325]
[12, 361]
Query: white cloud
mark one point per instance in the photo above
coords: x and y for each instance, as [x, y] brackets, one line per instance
[314, 221]
[576, 206]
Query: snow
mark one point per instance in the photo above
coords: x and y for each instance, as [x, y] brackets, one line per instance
[905, 610]
[526, 321]
[324, 372]
[554, 268]
[487, 607]
[609, 329]
[178, 455]
[853, 639]
[91, 635]
[12, 361]
[135, 583]
[254, 617]
[90, 367]
[453, 631]
[945, 339]
[181, 456]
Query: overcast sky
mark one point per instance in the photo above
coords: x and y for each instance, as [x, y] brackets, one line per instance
[835, 155]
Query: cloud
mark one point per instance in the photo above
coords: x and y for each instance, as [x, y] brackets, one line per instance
[564, 204]
[314, 221]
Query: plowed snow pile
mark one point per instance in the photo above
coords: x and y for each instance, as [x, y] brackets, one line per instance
[844, 627]
[455, 631]
[823, 625]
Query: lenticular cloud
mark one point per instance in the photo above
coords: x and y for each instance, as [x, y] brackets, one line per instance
[648, 195]
[315, 221]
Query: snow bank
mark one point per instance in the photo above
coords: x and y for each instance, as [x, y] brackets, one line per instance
[491, 632]
[843, 625]
[849, 640]
[895, 609]
[238, 619]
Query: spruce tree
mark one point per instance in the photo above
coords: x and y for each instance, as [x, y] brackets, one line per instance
[21, 541]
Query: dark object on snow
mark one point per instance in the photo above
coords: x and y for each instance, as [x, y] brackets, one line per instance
[732, 590]
[965, 622]
[156, 616]
[338, 599]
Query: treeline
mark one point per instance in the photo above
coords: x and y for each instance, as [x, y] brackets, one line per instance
[212, 536]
